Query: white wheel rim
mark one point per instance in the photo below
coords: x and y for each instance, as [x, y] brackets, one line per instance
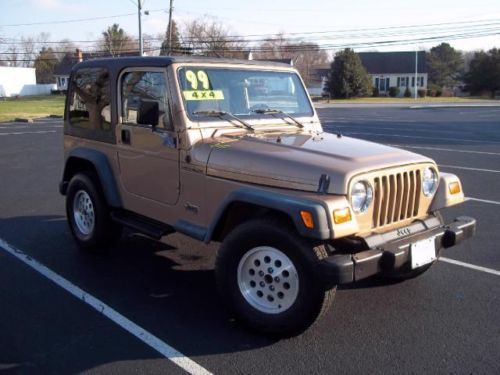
[83, 212]
[268, 280]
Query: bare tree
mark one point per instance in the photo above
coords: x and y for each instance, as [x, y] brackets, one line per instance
[210, 37]
[12, 56]
[28, 50]
[42, 39]
[304, 55]
[148, 43]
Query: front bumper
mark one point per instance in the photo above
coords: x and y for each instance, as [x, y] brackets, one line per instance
[391, 251]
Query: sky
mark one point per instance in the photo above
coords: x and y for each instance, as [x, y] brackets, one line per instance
[259, 17]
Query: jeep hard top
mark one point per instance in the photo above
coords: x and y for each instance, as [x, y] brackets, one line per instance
[233, 151]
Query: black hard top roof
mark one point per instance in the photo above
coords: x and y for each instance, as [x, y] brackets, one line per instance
[163, 61]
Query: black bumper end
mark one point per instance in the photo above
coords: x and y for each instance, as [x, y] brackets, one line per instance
[347, 268]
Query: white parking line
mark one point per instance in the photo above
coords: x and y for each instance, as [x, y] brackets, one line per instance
[418, 136]
[481, 200]
[446, 149]
[149, 339]
[29, 132]
[469, 168]
[47, 126]
[421, 129]
[471, 266]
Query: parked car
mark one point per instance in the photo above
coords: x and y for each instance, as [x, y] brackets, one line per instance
[188, 145]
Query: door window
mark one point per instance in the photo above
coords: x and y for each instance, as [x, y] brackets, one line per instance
[144, 99]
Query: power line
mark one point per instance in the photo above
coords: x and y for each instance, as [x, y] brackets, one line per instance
[301, 44]
[77, 19]
[298, 48]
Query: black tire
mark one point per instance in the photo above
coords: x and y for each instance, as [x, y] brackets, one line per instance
[104, 232]
[405, 272]
[312, 299]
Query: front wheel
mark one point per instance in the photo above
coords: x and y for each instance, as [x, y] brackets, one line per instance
[266, 274]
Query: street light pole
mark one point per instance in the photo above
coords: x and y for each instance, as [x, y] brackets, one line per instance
[141, 47]
[169, 38]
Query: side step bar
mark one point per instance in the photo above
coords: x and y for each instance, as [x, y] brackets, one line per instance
[144, 225]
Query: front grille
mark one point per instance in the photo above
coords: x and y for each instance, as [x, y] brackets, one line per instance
[397, 197]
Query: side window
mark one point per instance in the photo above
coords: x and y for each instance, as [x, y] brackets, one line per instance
[144, 99]
[90, 99]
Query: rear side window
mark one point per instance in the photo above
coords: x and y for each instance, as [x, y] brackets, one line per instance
[89, 102]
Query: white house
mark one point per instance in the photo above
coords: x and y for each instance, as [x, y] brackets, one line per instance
[395, 69]
[14, 79]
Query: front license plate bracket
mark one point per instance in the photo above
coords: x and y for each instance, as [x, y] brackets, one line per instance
[422, 252]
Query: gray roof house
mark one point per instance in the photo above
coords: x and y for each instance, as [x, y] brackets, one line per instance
[63, 69]
[396, 69]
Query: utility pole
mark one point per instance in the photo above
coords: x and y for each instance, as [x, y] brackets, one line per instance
[169, 37]
[141, 47]
[416, 73]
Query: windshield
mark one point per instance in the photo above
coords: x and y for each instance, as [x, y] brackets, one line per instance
[242, 92]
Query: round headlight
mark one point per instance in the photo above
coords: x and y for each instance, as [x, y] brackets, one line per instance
[429, 181]
[361, 196]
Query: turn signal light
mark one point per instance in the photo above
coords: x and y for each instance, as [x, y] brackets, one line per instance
[454, 187]
[342, 215]
[307, 219]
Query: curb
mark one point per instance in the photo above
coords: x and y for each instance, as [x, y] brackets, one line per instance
[471, 105]
[30, 120]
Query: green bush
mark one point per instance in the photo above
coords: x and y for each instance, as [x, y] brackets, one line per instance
[439, 93]
[407, 93]
[421, 93]
[393, 91]
[375, 92]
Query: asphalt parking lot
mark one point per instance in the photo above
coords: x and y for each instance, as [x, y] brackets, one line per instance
[446, 321]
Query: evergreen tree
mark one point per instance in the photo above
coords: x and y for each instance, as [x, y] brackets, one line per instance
[484, 72]
[45, 64]
[445, 65]
[176, 42]
[348, 77]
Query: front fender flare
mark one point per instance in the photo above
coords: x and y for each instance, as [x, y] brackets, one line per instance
[289, 205]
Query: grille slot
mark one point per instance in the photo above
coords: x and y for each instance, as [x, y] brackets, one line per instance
[396, 198]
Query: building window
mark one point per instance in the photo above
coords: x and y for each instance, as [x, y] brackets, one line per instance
[413, 81]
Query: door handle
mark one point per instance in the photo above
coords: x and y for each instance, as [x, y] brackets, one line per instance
[126, 136]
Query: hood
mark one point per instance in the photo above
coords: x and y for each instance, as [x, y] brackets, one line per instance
[297, 161]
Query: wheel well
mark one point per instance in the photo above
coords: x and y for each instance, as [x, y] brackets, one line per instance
[239, 212]
[76, 165]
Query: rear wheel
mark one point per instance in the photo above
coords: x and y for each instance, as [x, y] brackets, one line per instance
[266, 274]
[88, 215]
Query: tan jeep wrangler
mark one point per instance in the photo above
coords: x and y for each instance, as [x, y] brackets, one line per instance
[234, 152]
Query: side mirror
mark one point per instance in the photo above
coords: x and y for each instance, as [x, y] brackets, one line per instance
[149, 113]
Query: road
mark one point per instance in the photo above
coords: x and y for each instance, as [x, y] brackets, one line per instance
[445, 321]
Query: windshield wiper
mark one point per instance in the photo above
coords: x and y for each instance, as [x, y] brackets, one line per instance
[272, 111]
[224, 115]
